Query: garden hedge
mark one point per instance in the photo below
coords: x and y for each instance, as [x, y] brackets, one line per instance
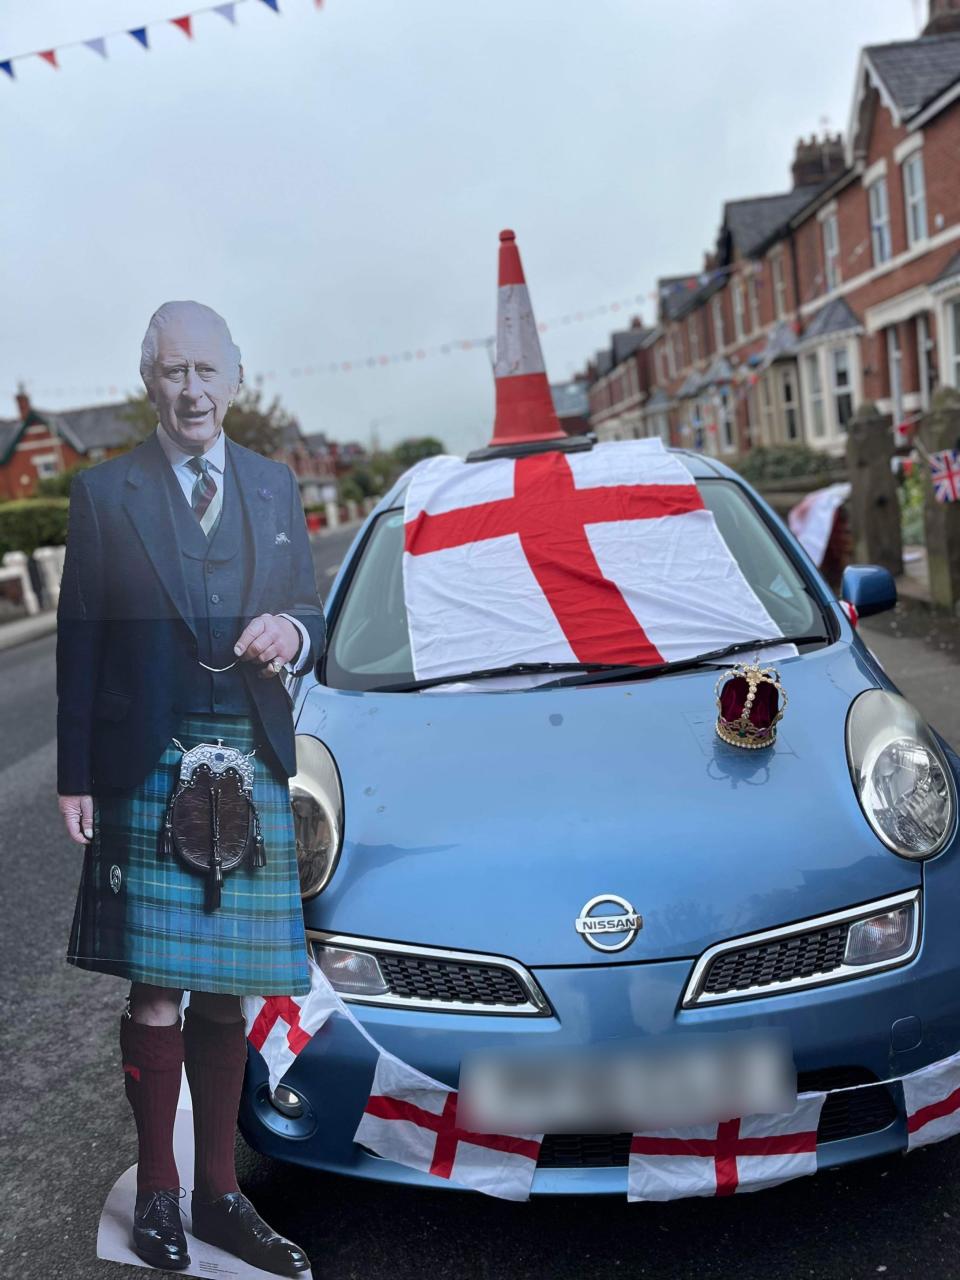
[28, 523]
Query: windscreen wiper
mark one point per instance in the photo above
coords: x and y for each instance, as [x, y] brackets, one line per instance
[594, 672]
[490, 673]
[626, 672]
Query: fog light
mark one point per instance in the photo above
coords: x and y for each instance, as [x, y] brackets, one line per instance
[287, 1102]
[351, 973]
[881, 937]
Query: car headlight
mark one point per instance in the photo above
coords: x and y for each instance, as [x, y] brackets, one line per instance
[902, 780]
[316, 797]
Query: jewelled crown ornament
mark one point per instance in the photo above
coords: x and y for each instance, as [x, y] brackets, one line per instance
[751, 702]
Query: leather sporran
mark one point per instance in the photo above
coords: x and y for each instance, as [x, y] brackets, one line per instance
[211, 822]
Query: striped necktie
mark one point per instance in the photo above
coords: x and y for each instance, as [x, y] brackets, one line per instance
[205, 493]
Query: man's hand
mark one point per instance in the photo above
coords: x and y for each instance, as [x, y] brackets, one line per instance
[265, 638]
[77, 814]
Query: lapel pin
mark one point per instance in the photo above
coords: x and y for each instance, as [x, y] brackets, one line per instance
[264, 493]
[281, 537]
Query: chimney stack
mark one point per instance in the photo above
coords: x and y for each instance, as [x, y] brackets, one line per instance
[944, 18]
[23, 403]
[819, 159]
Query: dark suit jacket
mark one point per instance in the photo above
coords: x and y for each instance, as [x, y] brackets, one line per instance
[122, 623]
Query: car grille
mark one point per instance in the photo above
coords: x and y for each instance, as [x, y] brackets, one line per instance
[844, 1115]
[802, 955]
[450, 981]
[432, 978]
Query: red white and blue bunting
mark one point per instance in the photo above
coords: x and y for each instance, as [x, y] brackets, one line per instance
[141, 34]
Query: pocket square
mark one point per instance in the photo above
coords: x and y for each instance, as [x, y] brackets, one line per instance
[281, 538]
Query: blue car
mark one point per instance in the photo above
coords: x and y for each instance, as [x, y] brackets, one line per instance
[545, 872]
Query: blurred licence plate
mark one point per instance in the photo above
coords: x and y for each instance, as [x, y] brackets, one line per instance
[614, 1090]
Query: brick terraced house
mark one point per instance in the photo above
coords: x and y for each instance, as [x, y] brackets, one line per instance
[844, 288]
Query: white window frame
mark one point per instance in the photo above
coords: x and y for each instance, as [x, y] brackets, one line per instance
[924, 367]
[46, 465]
[726, 419]
[716, 314]
[815, 397]
[952, 328]
[790, 406]
[768, 416]
[836, 389]
[830, 229]
[739, 310]
[878, 204]
[679, 359]
[895, 373]
[693, 339]
[915, 199]
[753, 301]
[779, 285]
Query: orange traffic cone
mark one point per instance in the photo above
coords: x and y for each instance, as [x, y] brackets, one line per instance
[525, 411]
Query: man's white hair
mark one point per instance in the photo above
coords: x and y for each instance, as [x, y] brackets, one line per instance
[190, 313]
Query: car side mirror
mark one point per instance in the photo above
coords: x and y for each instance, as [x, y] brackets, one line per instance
[869, 588]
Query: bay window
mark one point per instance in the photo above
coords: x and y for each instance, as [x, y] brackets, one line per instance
[788, 398]
[842, 386]
[818, 421]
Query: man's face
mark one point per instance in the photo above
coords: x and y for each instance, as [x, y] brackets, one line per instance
[193, 380]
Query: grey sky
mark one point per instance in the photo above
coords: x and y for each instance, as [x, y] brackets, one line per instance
[333, 181]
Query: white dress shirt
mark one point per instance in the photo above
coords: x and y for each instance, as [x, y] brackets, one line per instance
[216, 458]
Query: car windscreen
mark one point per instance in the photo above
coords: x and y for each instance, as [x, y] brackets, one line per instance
[369, 644]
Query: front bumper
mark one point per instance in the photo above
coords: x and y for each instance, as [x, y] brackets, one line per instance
[886, 1023]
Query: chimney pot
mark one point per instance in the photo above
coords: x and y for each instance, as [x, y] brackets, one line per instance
[23, 402]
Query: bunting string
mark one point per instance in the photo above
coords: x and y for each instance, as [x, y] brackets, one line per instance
[381, 360]
[98, 44]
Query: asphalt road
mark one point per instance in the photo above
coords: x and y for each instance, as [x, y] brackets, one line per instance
[68, 1131]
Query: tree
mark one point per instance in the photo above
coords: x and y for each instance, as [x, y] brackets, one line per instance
[409, 452]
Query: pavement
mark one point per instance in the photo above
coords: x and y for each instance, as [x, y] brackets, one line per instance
[919, 648]
[67, 1124]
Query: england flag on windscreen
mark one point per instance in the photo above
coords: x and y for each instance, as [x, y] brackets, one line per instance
[605, 556]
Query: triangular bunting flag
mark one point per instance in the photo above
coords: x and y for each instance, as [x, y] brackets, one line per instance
[184, 25]
[272, 4]
[98, 44]
[139, 33]
[49, 55]
[7, 66]
[226, 11]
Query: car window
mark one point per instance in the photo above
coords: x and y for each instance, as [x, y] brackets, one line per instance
[369, 644]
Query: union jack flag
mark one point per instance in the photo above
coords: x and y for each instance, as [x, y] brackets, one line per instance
[945, 474]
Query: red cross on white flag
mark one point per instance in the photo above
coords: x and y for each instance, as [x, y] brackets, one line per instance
[720, 1159]
[932, 1100]
[281, 1027]
[412, 1119]
[607, 555]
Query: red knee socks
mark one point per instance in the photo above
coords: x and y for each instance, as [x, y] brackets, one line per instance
[215, 1054]
[152, 1061]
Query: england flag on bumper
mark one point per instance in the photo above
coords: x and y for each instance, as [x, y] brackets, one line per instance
[281, 1027]
[721, 1159]
[607, 555]
[932, 1100]
[412, 1119]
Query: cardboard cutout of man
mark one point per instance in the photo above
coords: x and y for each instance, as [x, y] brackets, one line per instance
[188, 586]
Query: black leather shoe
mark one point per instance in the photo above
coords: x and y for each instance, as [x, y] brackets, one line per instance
[157, 1230]
[232, 1223]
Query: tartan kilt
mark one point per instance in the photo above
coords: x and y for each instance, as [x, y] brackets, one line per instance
[141, 916]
